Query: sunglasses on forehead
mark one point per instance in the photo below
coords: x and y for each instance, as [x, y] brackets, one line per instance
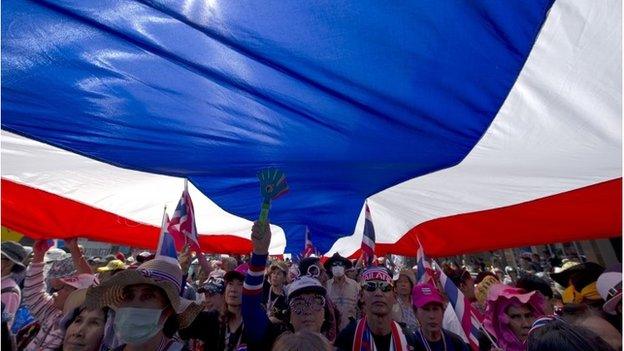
[372, 286]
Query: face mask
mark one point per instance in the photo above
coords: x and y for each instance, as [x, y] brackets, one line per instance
[338, 271]
[136, 325]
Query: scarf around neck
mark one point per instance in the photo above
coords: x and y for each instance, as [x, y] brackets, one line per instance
[363, 338]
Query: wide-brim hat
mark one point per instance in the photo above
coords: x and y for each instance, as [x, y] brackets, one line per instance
[584, 273]
[157, 272]
[337, 258]
[14, 252]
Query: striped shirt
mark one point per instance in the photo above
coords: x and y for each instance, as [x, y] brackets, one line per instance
[41, 305]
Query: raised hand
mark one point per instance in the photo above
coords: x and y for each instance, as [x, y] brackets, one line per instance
[72, 244]
[40, 247]
[185, 259]
[261, 237]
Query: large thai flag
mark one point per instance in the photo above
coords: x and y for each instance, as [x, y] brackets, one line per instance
[472, 125]
[463, 309]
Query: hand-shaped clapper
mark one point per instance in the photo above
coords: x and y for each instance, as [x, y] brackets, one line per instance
[272, 185]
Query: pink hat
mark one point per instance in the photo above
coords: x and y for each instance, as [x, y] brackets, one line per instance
[238, 273]
[423, 294]
[81, 281]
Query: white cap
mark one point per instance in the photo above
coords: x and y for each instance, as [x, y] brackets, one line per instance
[305, 284]
[55, 254]
[609, 286]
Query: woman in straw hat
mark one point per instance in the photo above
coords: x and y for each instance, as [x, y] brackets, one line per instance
[147, 305]
[13, 256]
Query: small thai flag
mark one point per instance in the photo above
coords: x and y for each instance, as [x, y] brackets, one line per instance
[368, 239]
[166, 244]
[309, 248]
[182, 225]
[463, 309]
[424, 272]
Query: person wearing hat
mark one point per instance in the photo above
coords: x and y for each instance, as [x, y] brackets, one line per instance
[143, 257]
[112, 267]
[509, 314]
[579, 281]
[274, 294]
[312, 267]
[13, 256]
[65, 265]
[377, 326]
[225, 330]
[402, 309]
[609, 286]
[306, 297]
[429, 307]
[84, 325]
[46, 308]
[343, 291]
[213, 290]
[148, 309]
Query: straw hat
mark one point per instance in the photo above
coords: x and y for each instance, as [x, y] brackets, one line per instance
[15, 253]
[581, 274]
[336, 258]
[157, 272]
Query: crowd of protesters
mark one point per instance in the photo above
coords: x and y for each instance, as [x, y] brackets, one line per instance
[56, 299]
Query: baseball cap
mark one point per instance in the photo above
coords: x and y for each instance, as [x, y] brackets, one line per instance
[304, 284]
[609, 285]
[423, 294]
[238, 273]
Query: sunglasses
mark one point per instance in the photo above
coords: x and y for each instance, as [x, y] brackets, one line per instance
[372, 286]
[301, 304]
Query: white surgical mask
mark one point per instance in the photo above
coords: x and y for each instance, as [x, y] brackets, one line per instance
[338, 271]
[136, 325]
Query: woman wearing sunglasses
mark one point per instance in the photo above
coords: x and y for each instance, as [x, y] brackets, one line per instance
[306, 298]
[376, 328]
